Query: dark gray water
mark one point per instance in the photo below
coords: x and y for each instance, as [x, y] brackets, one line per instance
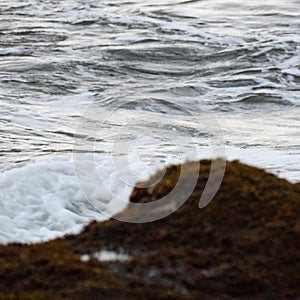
[153, 80]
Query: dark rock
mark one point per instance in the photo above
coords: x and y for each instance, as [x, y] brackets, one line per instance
[243, 245]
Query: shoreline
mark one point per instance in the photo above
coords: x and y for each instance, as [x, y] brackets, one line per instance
[54, 202]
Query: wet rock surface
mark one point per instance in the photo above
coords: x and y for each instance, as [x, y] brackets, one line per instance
[243, 245]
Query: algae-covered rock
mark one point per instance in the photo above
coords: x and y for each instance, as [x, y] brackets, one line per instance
[243, 245]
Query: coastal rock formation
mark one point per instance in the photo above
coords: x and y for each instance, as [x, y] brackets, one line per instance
[243, 245]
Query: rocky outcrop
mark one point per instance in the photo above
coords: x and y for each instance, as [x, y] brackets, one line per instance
[243, 245]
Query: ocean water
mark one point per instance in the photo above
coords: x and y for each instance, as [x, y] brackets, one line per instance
[97, 95]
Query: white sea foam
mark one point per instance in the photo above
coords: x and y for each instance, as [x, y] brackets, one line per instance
[105, 256]
[283, 164]
[43, 199]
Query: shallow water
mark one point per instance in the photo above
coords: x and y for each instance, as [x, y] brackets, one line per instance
[128, 87]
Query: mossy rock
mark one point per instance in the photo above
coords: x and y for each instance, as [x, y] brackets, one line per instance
[243, 245]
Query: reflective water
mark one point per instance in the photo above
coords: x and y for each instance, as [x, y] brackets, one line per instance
[151, 81]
